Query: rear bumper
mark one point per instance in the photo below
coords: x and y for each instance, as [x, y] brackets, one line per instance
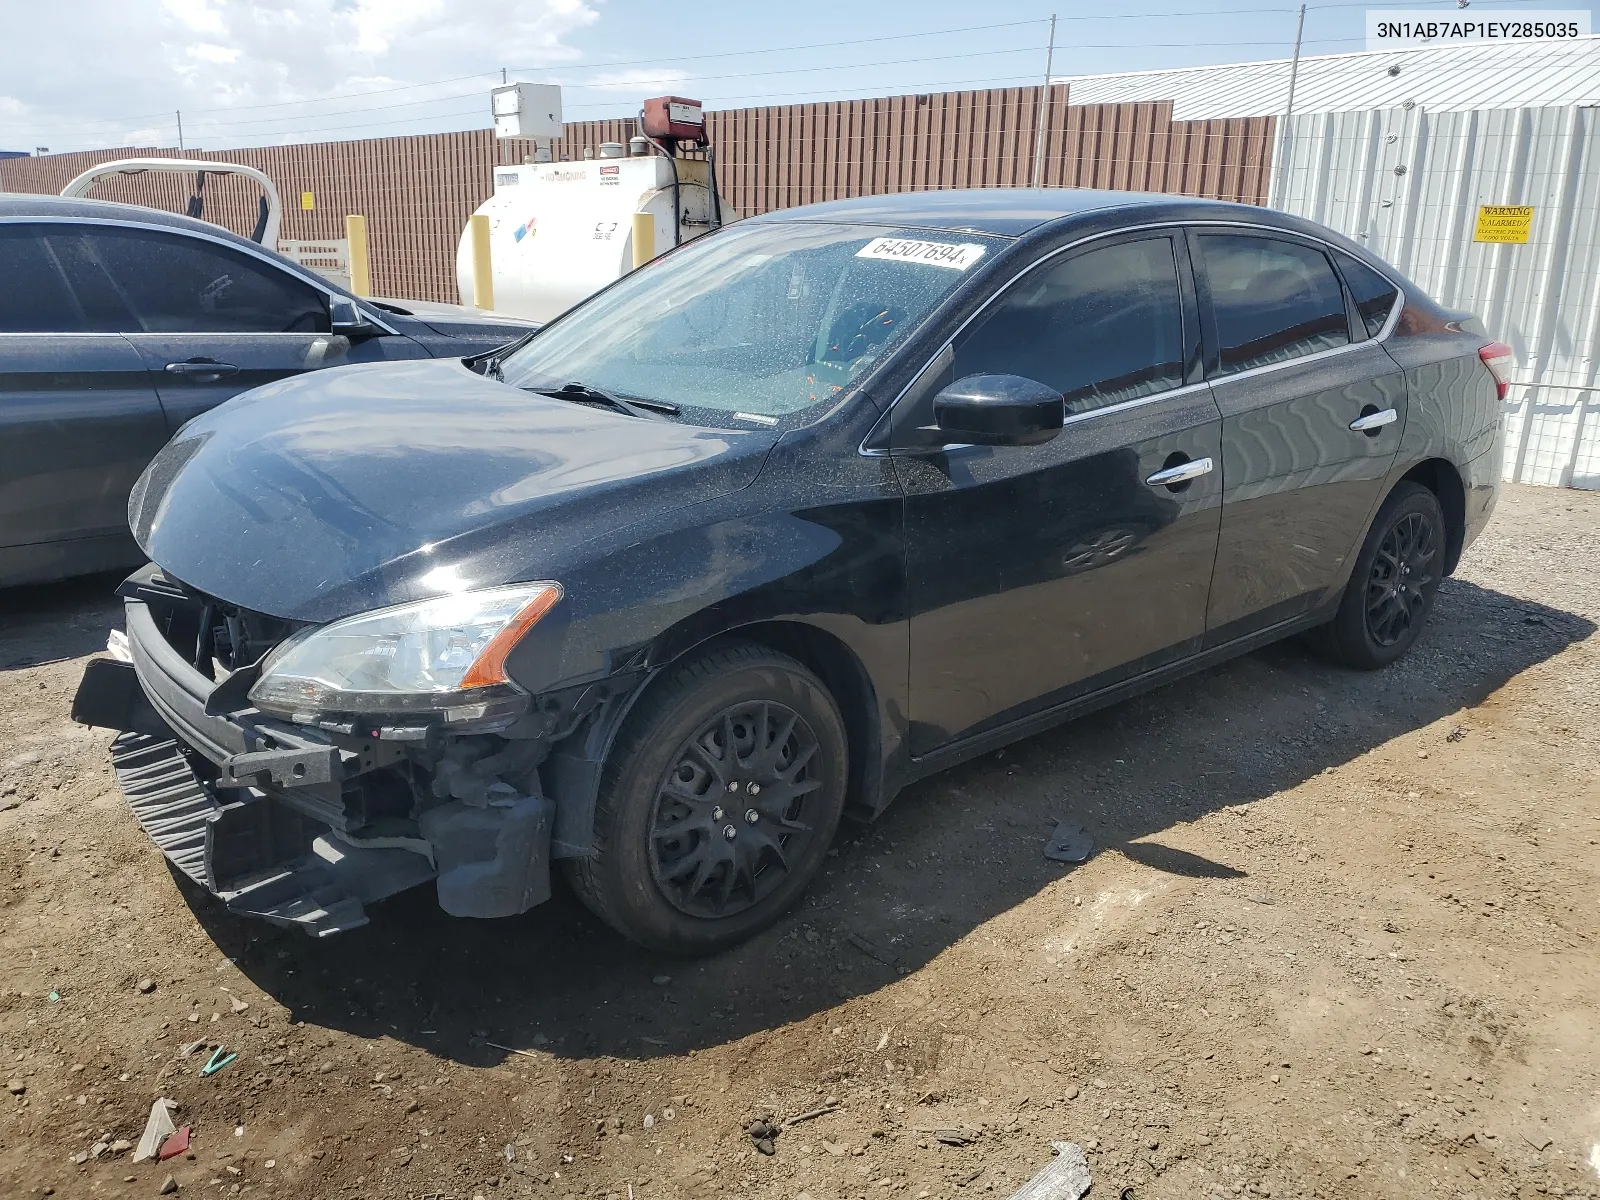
[272, 817]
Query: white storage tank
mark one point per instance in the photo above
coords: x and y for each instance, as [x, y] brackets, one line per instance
[559, 232]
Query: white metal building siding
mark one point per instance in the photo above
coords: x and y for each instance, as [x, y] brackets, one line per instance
[1408, 182]
[1546, 73]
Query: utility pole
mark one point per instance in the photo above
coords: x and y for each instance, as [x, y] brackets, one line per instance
[1288, 110]
[502, 75]
[180, 130]
[1044, 102]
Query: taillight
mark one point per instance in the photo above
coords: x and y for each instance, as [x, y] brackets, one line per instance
[1497, 357]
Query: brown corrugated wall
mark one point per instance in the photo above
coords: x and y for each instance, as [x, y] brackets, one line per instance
[417, 192]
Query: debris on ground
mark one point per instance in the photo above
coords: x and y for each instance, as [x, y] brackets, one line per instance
[175, 1145]
[870, 949]
[761, 1132]
[168, 1186]
[1069, 844]
[157, 1129]
[147, 986]
[217, 1061]
[1066, 1177]
[821, 1110]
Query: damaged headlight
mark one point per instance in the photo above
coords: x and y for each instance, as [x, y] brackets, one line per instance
[446, 654]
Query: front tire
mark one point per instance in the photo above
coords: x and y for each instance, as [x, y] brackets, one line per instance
[717, 802]
[1392, 587]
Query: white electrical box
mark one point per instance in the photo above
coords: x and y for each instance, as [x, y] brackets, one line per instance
[527, 110]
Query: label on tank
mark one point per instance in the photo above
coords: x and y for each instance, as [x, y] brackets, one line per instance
[957, 256]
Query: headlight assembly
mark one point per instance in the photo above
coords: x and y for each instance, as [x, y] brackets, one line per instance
[446, 655]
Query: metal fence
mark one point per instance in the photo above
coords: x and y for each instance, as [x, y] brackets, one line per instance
[1408, 183]
[417, 192]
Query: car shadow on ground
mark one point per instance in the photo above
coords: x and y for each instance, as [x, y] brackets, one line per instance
[950, 854]
[48, 622]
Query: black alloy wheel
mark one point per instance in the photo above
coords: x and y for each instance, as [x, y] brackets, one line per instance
[1392, 586]
[718, 800]
[731, 813]
[1404, 570]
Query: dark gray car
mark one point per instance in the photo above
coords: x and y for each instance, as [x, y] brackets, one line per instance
[118, 324]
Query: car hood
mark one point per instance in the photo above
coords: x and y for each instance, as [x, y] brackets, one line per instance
[456, 319]
[344, 490]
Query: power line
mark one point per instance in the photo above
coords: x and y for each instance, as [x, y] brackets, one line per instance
[123, 122]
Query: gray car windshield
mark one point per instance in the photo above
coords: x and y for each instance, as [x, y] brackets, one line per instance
[756, 324]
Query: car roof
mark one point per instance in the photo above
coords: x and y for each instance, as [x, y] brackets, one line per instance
[21, 206]
[1006, 212]
[15, 205]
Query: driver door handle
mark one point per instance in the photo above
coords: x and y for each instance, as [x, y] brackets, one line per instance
[1181, 473]
[1375, 420]
[199, 367]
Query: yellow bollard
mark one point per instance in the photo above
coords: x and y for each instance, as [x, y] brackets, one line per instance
[482, 270]
[644, 238]
[355, 230]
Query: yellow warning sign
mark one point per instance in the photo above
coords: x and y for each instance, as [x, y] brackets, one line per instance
[308, 202]
[1508, 223]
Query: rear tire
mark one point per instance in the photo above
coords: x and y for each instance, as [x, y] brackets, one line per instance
[1386, 604]
[717, 803]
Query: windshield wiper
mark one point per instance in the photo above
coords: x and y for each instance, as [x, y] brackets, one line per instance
[582, 392]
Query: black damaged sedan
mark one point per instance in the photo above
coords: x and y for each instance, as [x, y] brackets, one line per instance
[763, 532]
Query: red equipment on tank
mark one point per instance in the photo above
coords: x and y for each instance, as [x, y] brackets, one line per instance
[674, 117]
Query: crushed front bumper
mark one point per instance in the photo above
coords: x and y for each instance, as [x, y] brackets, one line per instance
[260, 857]
[272, 817]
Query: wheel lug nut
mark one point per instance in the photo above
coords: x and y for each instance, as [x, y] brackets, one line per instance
[716, 813]
[729, 832]
[754, 789]
[734, 786]
[751, 816]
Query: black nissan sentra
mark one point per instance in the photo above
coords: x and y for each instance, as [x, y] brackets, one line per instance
[758, 535]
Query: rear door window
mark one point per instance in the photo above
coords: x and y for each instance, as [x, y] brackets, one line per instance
[1374, 295]
[34, 298]
[1102, 327]
[1271, 301]
[180, 284]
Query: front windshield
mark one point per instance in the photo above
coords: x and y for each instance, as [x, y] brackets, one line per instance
[756, 324]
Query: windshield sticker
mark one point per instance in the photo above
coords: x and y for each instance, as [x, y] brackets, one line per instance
[957, 256]
[758, 418]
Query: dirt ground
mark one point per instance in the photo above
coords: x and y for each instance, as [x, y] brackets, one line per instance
[1338, 940]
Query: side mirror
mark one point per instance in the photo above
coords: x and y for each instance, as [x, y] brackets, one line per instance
[348, 319]
[999, 410]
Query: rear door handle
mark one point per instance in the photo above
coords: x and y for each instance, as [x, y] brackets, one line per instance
[1374, 421]
[1181, 473]
[200, 367]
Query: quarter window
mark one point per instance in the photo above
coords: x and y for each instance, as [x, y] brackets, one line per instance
[1103, 327]
[33, 296]
[1271, 301]
[179, 284]
[1375, 295]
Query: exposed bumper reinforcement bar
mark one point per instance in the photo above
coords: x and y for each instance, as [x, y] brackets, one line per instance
[260, 857]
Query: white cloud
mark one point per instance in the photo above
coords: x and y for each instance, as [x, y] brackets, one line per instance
[211, 53]
[220, 61]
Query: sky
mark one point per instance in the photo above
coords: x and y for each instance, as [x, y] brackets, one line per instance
[87, 74]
